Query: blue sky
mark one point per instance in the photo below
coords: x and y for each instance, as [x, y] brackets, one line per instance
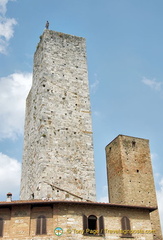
[125, 55]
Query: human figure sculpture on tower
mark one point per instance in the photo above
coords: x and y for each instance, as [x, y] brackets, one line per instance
[47, 25]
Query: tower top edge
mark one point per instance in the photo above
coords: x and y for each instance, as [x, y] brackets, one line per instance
[126, 136]
[52, 32]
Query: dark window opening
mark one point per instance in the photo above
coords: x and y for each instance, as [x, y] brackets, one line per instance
[133, 143]
[92, 223]
[67, 195]
[1, 227]
[41, 225]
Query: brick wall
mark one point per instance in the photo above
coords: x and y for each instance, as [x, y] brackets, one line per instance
[130, 176]
[20, 222]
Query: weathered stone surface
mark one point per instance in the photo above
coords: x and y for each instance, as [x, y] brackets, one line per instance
[130, 176]
[58, 159]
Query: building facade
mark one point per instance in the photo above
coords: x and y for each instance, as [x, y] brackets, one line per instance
[50, 220]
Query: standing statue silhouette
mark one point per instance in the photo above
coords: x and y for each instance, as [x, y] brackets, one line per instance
[47, 25]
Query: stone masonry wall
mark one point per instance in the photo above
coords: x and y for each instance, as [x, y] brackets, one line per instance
[130, 175]
[20, 222]
[58, 159]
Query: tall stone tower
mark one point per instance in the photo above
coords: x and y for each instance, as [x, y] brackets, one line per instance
[130, 176]
[58, 159]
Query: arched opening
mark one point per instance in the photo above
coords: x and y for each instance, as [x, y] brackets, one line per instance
[93, 225]
[92, 222]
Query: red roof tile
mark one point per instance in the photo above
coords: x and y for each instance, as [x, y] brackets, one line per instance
[39, 201]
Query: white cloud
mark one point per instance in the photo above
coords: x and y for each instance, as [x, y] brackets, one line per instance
[160, 201]
[94, 85]
[10, 173]
[155, 160]
[154, 156]
[6, 27]
[97, 113]
[104, 197]
[152, 83]
[13, 91]
[3, 4]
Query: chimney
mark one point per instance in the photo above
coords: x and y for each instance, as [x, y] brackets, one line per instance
[9, 197]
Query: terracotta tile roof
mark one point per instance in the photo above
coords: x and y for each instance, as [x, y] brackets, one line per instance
[44, 202]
